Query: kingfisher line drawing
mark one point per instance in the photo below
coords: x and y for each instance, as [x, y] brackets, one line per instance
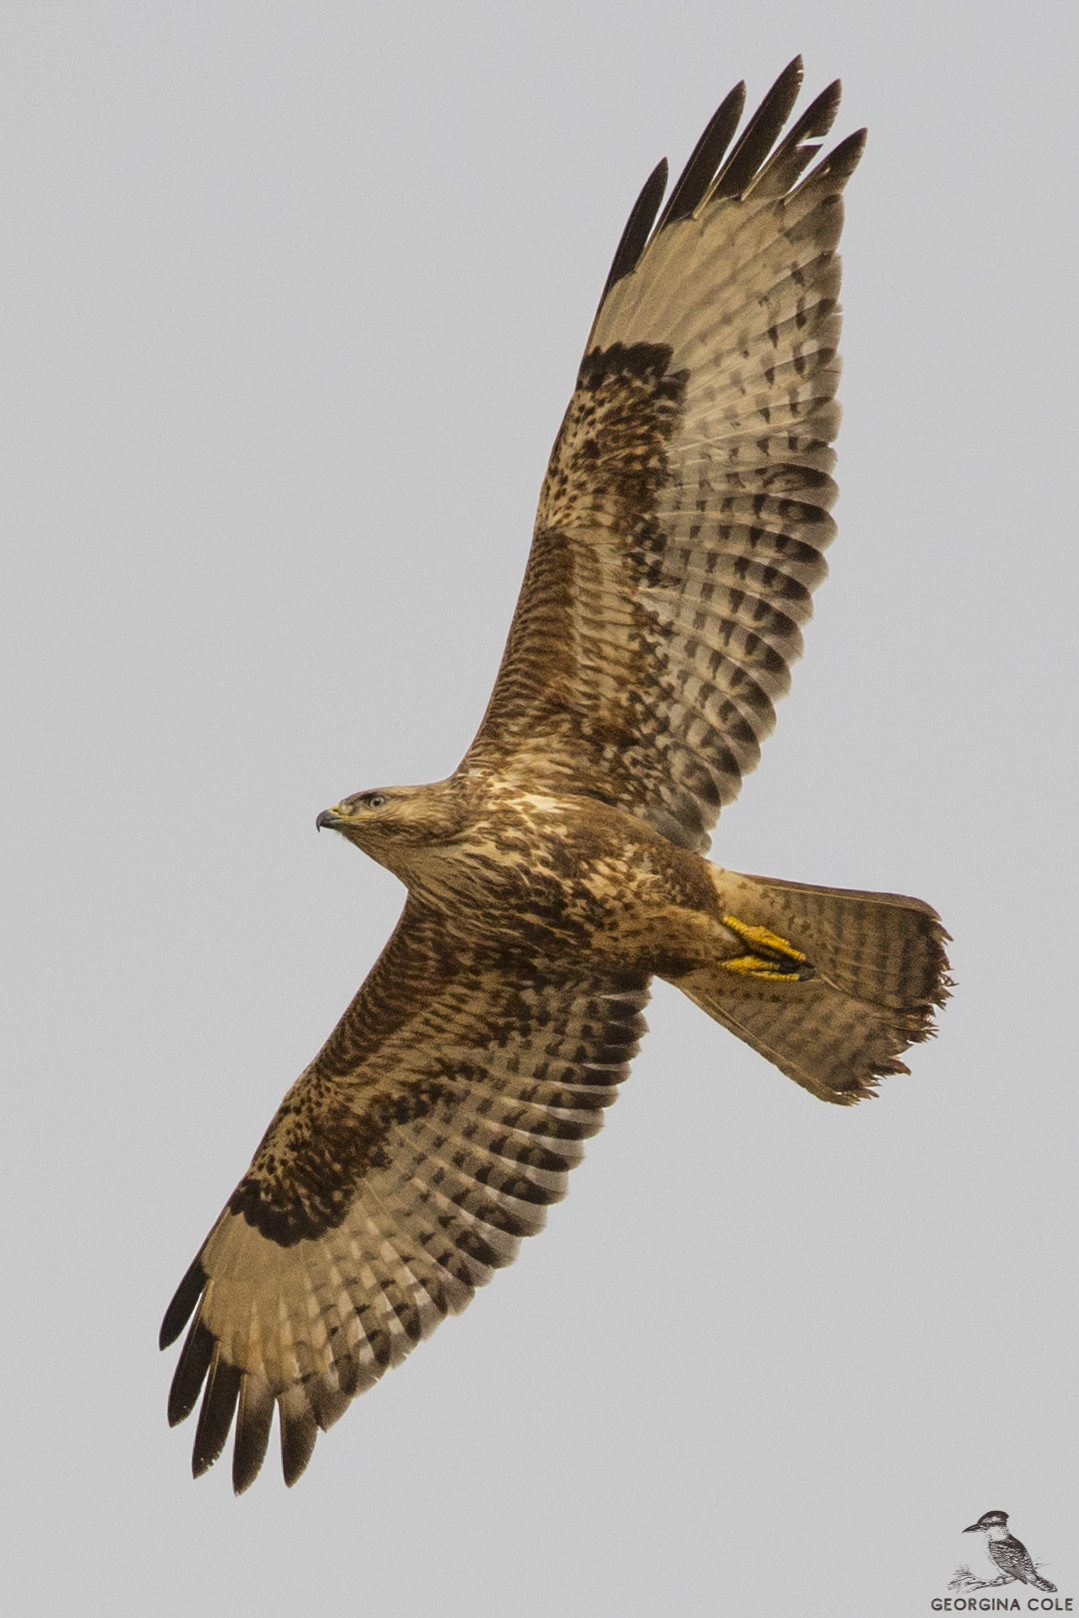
[1009, 1553]
[681, 530]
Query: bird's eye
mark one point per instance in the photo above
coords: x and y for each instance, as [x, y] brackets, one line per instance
[374, 800]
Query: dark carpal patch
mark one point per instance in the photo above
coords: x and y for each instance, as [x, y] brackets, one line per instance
[611, 457]
[647, 362]
[316, 1151]
[680, 530]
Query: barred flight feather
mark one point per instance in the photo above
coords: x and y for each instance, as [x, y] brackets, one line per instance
[439, 1202]
[704, 407]
[681, 529]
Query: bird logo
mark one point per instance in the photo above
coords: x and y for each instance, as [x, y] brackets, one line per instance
[1010, 1555]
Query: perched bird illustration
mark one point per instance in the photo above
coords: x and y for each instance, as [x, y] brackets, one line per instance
[1009, 1553]
[681, 529]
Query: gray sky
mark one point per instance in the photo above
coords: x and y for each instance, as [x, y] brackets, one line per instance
[295, 298]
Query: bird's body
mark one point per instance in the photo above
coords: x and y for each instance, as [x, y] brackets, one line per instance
[533, 876]
[1010, 1554]
[680, 532]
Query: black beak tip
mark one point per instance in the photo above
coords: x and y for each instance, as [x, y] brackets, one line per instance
[326, 818]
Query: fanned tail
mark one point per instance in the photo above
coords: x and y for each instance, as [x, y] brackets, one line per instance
[874, 973]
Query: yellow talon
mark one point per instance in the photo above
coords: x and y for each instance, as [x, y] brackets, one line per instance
[754, 967]
[761, 935]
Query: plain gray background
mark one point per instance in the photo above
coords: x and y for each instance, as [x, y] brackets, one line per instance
[295, 298]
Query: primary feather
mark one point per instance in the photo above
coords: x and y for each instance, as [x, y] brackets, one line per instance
[681, 529]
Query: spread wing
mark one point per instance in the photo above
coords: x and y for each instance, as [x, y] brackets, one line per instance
[684, 516]
[427, 1137]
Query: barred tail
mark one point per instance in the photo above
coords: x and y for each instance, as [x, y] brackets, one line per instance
[875, 970]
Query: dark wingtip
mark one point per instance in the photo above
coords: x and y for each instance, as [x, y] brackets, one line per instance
[760, 134]
[298, 1433]
[799, 146]
[183, 1304]
[253, 1424]
[708, 154]
[215, 1417]
[191, 1369]
[841, 163]
[638, 227]
[712, 172]
[791, 77]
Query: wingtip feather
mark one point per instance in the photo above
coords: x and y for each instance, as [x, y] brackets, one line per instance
[638, 227]
[759, 135]
[840, 163]
[707, 155]
[254, 1419]
[183, 1304]
[215, 1417]
[190, 1373]
[299, 1430]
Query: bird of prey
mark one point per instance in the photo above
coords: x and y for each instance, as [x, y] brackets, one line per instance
[1009, 1553]
[681, 528]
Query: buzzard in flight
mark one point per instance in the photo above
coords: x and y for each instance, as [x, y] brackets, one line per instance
[681, 529]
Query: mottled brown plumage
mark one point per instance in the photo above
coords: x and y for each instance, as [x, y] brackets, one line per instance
[681, 529]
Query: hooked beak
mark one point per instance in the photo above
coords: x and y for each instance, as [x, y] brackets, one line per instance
[329, 818]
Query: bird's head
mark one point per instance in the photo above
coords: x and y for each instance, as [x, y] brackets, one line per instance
[392, 822]
[990, 1519]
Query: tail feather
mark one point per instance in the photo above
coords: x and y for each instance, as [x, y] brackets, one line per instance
[876, 971]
